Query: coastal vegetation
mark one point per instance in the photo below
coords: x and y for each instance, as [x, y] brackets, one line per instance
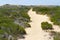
[52, 11]
[46, 26]
[13, 20]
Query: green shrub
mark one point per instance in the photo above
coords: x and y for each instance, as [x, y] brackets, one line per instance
[46, 26]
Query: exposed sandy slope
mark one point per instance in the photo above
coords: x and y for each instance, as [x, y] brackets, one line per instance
[36, 32]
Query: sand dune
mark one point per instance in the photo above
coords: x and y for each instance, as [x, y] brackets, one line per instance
[36, 32]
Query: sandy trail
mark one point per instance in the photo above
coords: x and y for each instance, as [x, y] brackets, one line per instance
[36, 32]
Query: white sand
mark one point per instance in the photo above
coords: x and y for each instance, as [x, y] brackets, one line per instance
[36, 32]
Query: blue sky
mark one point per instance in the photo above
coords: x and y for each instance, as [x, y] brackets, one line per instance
[30, 2]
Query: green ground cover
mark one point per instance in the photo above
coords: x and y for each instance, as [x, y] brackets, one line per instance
[52, 11]
[8, 15]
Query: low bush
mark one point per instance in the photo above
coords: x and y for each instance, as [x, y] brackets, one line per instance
[46, 26]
